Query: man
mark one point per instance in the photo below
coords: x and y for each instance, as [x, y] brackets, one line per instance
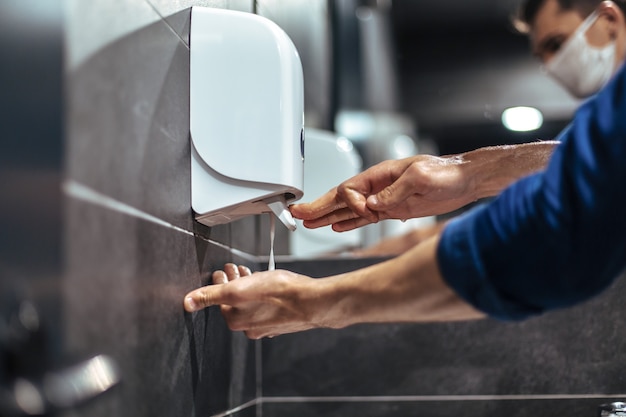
[441, 184]
[551, 239]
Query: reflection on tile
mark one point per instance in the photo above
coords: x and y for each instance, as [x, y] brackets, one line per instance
[123, 293]
[168, 7]
[250, 411]
[92, 25]
[547, 355]
[173, 10]
[517, 408]
[180, 22]
[128, 112]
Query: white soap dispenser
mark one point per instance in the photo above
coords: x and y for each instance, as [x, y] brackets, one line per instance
[246, 117]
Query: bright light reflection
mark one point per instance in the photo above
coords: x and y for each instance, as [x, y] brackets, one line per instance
[522, 119]
[344, 145]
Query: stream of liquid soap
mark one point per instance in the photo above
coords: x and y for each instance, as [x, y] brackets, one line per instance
[271, 265]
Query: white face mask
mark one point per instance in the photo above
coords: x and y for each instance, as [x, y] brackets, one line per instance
[581, 68]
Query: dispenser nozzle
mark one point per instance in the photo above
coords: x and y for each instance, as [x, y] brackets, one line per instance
[278, 205]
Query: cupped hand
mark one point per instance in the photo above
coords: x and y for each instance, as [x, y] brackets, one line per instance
[422, 185]
[262, 304]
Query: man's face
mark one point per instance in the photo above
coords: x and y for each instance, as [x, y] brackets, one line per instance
[553, 26]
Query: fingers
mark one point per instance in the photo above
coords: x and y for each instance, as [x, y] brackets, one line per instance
[220, 277]
[332, 218]
[215, 294]
[351, 224]
[393, 195]
[244, 271]
[320, 213]
[205, 297]
[321, 207]
[357, 202]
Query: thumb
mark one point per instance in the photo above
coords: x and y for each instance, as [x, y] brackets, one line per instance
[390, 196]
[205, 297]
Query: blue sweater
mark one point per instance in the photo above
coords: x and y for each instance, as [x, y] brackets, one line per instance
[555, 238]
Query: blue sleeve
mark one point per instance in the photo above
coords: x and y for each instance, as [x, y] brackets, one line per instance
[555, 238]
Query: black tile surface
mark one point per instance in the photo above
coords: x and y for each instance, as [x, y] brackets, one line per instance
[515, 408]
[180, 22]
[128, 112]
[574, 351]
[126, 278]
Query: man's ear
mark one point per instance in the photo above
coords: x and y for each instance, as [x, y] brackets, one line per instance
[613, 15]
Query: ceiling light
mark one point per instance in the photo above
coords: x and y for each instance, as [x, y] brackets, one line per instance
[522, 119]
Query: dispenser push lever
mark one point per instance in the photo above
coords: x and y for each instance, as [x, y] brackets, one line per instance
[278, 205]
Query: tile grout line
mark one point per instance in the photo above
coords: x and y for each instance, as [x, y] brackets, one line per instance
[238, 408]
[412, 398]
[432, 398]
[164, 20]
[82, 192]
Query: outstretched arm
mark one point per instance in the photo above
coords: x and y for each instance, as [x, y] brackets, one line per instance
[408, 288]
[555, 238]
[423, 185]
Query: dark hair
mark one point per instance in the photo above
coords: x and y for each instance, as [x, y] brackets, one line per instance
[528, 10]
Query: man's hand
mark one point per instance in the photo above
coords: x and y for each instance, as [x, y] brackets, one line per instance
[422, 185]
[263, 304]
[408, 288]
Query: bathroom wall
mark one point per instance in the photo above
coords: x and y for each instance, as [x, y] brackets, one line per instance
[564, 363]
[132, 248]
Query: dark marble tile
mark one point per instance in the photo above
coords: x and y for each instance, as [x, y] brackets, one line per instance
[322, 267]
[246, 234]
[174, 11]
[180, 23]
[123, 297]
[491, 408]
[574, 351]
[128, 123]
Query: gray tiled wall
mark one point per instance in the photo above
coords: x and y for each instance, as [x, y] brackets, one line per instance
[563, 363]
[132, 249]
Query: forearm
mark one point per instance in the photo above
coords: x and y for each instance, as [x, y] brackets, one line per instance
[408, 288]
[555, 238]
[494, 168]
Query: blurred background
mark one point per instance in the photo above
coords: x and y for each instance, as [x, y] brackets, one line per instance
[402, 77]
[98, 243]
[450, 67]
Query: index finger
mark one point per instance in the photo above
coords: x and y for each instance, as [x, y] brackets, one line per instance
[322, 206]
[205, 297]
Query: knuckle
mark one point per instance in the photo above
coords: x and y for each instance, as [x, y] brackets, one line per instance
[416, 168]
[203, 298]
[387, 193]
